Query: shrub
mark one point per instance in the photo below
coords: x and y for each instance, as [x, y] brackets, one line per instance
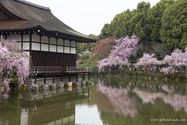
[14, 83]
[152, 75]
[84, 57]
[130, 73]
[22, 88]
[158, 75]
[169, 75]
[176, 74]
[180, 76]
[117, 71]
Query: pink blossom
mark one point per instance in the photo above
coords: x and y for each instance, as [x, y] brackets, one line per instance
[124, 49]
[11, 56]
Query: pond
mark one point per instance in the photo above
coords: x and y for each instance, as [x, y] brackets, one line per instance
[110, 101]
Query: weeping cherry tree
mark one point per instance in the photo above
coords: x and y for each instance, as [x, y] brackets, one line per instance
[120, 53]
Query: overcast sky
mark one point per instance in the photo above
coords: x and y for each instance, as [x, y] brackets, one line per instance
[89, 16]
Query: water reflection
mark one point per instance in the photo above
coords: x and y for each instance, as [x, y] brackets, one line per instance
[119, 98]
[137, 102]
[177, 101]
[44, 107]
[108, 102]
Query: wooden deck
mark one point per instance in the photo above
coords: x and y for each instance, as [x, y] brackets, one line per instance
[58, 69]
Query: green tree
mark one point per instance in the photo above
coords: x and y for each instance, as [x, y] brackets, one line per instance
[174, 25]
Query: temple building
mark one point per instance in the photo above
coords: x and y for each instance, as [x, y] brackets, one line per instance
[47, 40]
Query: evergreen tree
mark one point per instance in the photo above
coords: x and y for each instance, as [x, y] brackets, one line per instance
[174, 25]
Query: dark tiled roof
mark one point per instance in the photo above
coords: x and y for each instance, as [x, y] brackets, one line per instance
[27, 15]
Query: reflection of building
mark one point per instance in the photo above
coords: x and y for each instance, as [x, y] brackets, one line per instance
[51, 108]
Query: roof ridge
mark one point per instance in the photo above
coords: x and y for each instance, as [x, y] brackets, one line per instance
[34, 5]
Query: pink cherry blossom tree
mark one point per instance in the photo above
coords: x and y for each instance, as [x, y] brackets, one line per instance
[12, 60]
[121, 52]
[176, 59]
[147, 60]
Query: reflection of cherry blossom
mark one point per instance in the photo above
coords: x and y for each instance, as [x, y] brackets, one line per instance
[175, 100]
[167, 89]
[119, 98]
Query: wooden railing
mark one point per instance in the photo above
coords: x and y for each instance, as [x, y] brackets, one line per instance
[47, 69]
[58, 69]
[78, 69]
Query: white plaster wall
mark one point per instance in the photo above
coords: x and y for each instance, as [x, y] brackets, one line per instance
[60, 42]
[26, 38]
[67, 43]
[52, 41]
[15, 37]
[44, 39]
[35, 38]
[73, 43]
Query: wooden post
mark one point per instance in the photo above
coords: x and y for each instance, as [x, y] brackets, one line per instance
[53, 78]
[35, 79]
[69, 78]
[88, 76]
[88, 92]
[77, 77]
[83, 76]
[44, 79]
[61, 77]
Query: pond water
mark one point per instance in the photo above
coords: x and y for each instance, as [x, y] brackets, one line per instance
[111, 101]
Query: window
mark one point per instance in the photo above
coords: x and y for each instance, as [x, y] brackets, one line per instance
[44, 47]
[66, 49]
[73, 50]
[35, 46]
[60, 49]
[26, 45]
[52, 48]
